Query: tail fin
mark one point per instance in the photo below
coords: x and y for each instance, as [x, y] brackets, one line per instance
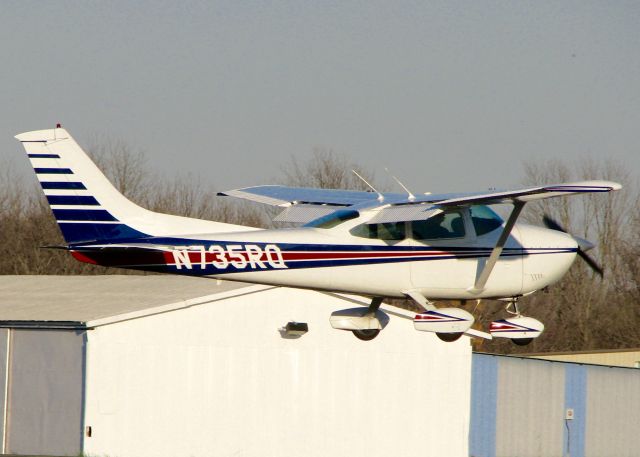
[86, 205]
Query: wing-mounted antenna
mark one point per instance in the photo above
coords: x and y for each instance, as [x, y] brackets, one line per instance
[411, 196]
[380, 196]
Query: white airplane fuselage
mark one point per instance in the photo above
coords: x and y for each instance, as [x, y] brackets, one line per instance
[334, 260]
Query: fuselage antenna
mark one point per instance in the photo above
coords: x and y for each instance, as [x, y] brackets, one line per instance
[380, 196]
[411, 196]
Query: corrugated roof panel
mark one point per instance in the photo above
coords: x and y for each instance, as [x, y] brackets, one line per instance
[87, 298]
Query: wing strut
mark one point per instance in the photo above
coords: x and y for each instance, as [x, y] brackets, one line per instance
[497, 250]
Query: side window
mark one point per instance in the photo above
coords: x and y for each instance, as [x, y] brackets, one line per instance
[388, 231]
[391, 231]
[484, 219]
[443, 225]
[365, 231]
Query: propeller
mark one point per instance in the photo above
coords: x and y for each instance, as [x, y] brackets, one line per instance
[583, 245]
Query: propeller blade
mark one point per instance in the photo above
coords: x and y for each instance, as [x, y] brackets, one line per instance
[591, 262]
[583, 245]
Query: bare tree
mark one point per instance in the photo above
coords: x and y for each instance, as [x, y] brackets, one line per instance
[183, 195]
[127, 168]
[325, 169]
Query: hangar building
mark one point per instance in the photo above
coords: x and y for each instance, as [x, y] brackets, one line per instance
[530, 408]
[134, 366]
[174, 366]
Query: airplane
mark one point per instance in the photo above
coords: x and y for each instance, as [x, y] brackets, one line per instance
[377, 245]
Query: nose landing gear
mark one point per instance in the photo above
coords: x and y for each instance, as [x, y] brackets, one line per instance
[521, 330]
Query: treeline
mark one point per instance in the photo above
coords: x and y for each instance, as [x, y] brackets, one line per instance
[580, 312]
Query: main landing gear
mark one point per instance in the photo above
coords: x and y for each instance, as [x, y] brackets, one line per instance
[449, 324]
[365, 323]
[366, 334]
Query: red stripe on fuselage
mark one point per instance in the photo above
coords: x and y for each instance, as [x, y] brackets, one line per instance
[196, 256]
[355, 255]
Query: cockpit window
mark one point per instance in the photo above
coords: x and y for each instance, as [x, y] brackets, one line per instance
[333, 219]
[484, 219]
[443, 225]
[387, 231]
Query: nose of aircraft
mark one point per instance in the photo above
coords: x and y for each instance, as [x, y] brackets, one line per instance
[535, 237]
[548, 256]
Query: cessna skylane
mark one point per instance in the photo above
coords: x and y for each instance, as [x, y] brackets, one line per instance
[378, 245]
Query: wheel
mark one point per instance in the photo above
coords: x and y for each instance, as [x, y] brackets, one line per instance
[521, 341]
[366, 335]
[449, 337]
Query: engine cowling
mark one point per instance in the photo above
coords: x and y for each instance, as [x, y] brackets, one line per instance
[444, 320]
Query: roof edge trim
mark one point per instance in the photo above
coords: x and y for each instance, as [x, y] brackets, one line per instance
[183, 304]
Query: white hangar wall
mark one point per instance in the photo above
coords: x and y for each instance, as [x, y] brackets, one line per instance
[218, 379]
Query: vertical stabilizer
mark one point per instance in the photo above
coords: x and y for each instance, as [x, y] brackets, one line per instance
[87, 206]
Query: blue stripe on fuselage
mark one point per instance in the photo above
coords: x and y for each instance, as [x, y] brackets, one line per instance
[413, 254]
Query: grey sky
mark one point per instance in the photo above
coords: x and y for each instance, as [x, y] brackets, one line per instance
[448, 95]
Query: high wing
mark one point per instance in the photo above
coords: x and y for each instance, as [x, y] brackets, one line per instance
[533, 193]
[286, 196]
[305, 204]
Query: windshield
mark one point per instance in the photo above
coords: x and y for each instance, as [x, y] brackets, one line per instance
[484, 219]
[333, 219]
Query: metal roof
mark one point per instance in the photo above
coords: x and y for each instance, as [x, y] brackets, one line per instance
[73, 300]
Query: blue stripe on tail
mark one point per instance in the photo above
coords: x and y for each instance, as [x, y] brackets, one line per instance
[86, 225]
[96, 215]
[72, 200]
[63, 185]
[53, 171]
[43, 156]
